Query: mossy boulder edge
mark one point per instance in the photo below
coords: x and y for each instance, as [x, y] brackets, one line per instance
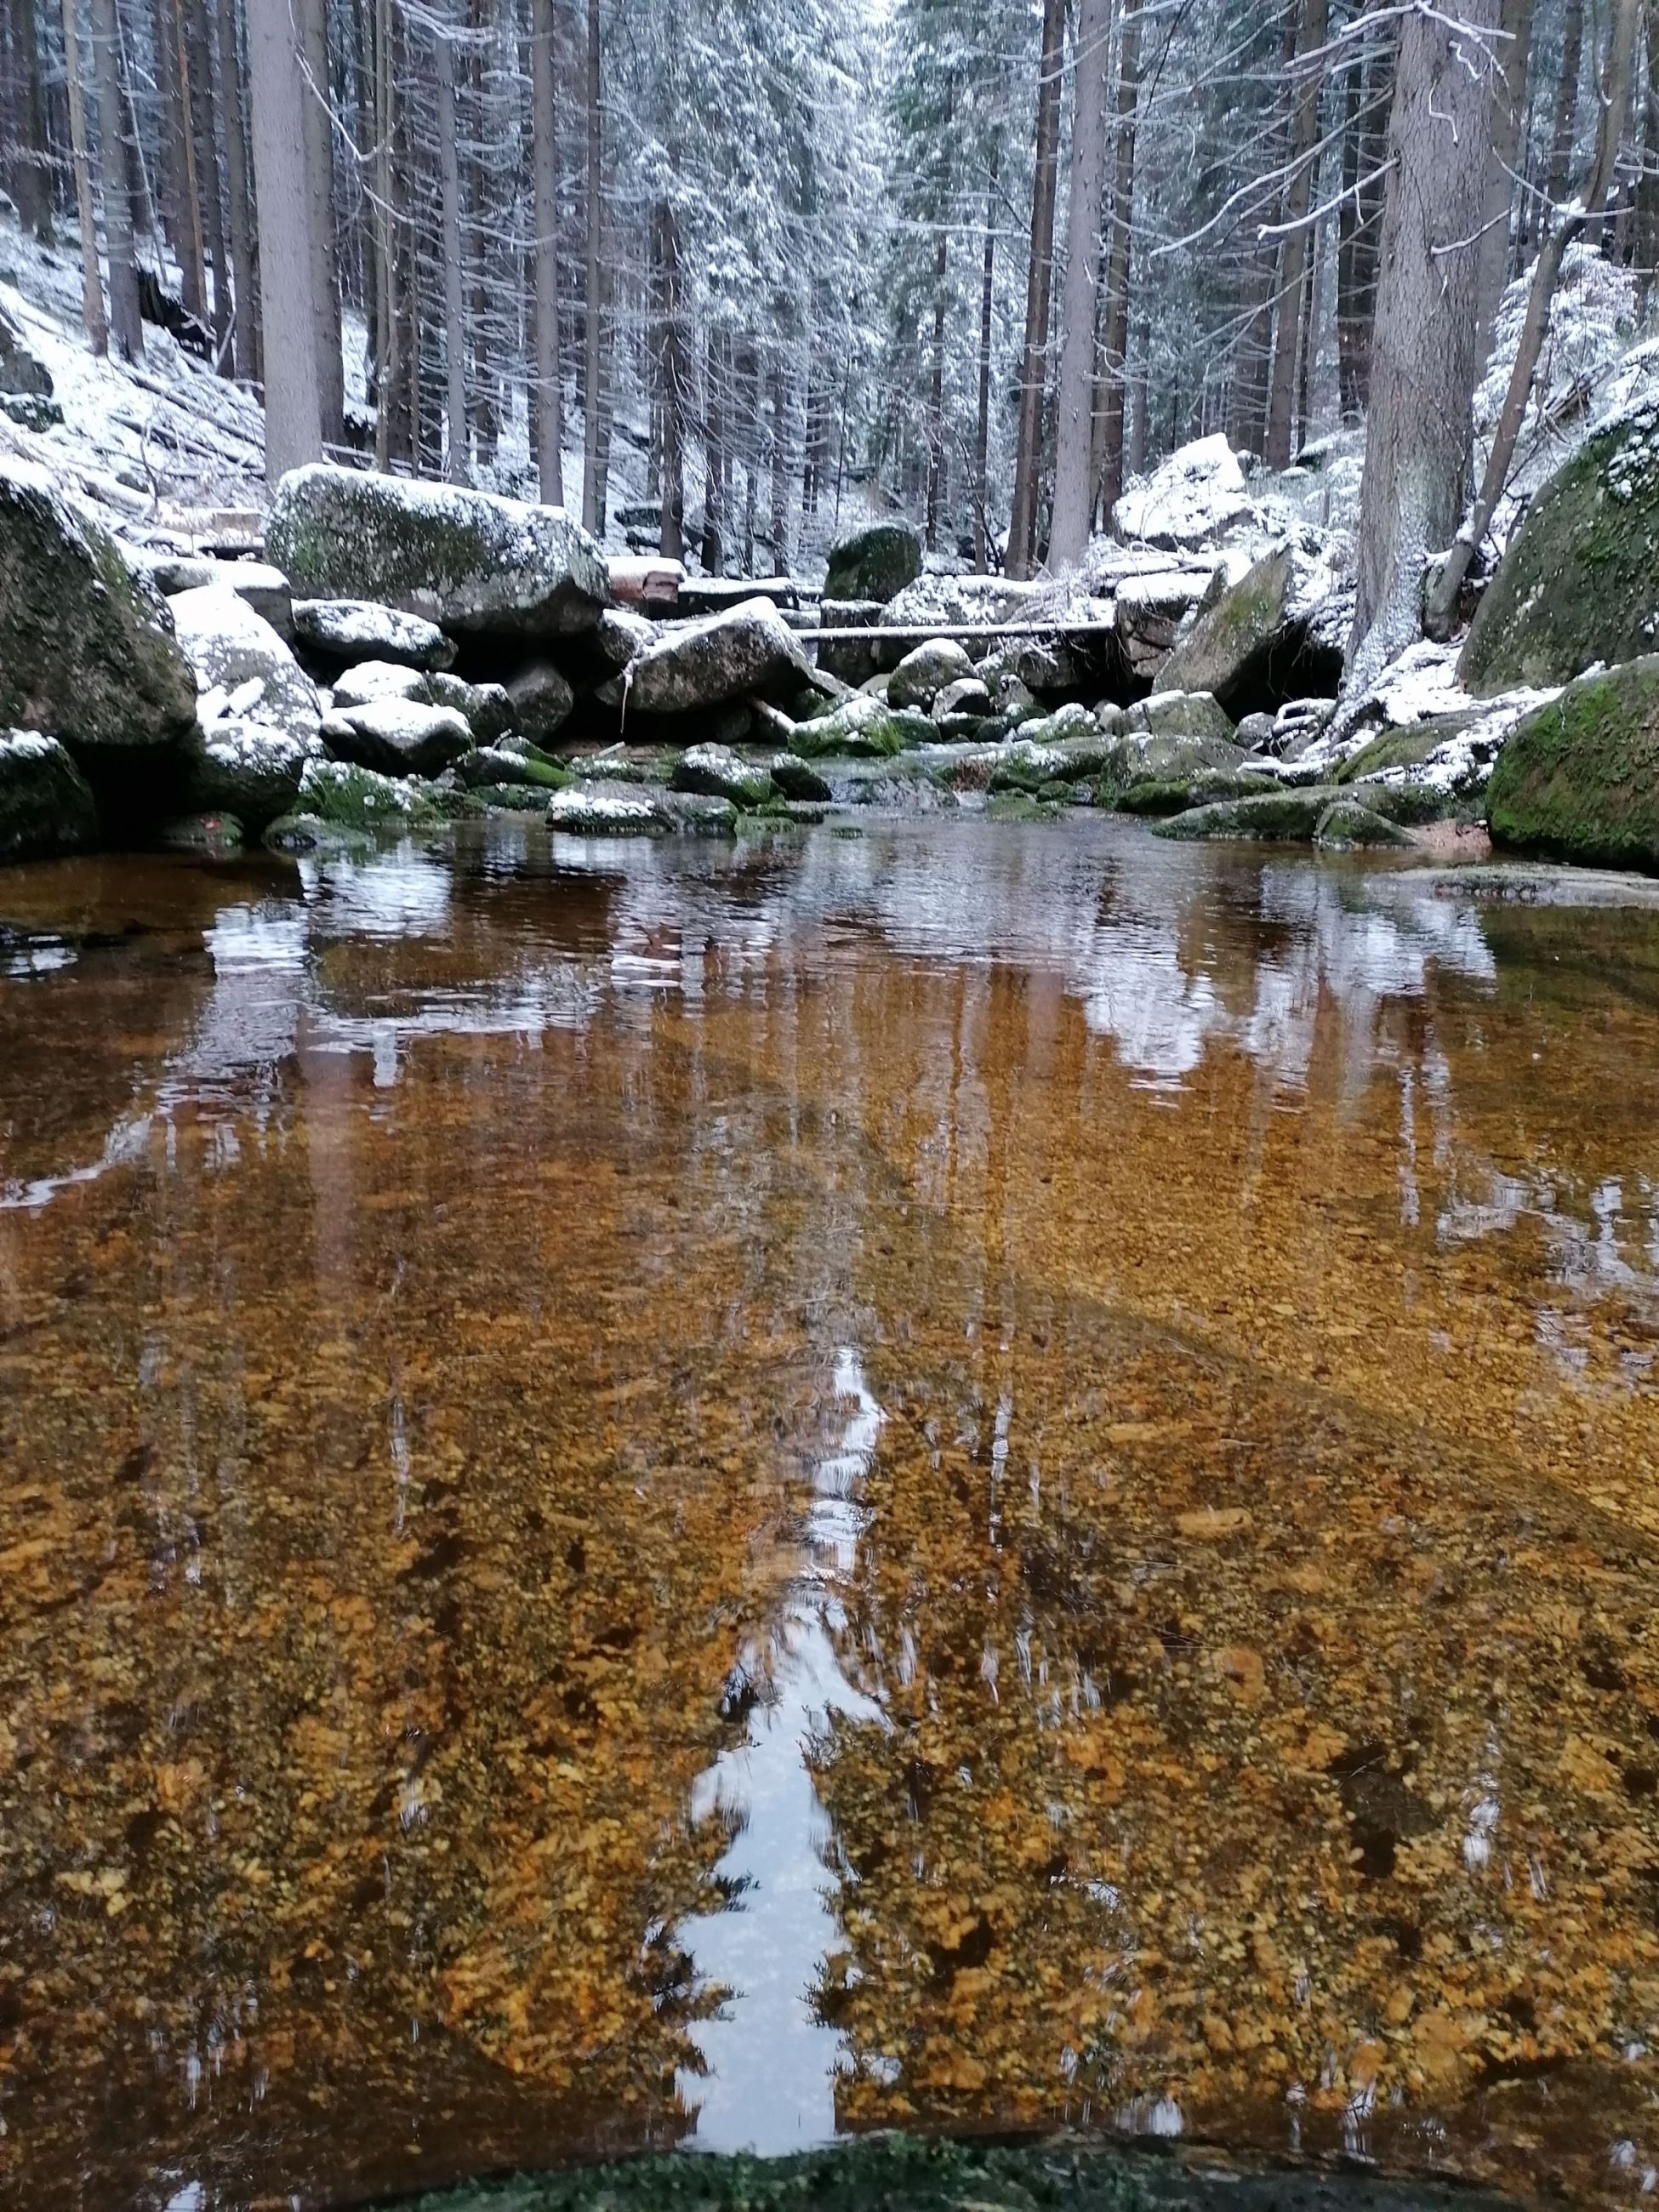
[1579, 779]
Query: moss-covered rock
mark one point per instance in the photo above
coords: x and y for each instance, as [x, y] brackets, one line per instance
[1579, 779]
[219, 836]
[86, 649]
[875, 564]
[473, 563]
[46, 804]
[1579, 582]
[795, 779]
[719, 773]
[351, 797]
[489, 766]
[1157, 796]
[1349, 826]
[860, 728]
[600, 808]
[1280, 818]
[1139, 760]
[1181, 714]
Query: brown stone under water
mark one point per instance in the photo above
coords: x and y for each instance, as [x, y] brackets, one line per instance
[428, 1287]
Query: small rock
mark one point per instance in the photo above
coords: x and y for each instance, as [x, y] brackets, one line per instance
[540, 697]
[397, 737]
[344, 632]
[795, 779]
[717, 772]
[967, 695]
[47, 806]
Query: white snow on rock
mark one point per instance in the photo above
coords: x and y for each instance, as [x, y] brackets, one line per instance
[232, 649]
[239, 742]
[387, 794]
[580, 808]
[27, 744]
[363, 630]
[1197, 497]
[378, 679]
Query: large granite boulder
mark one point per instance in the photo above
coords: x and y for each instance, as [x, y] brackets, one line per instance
[1579, 582]
[249, 769]
[339, 633]
[1579, 778]
[750, 650]
[397, 737]
[541, 700]
[474, 564]
[1198, 496]
[1274, 634]
[242, 666]
[86, 649]
[46, 804]
[926, 670]
[874, 564]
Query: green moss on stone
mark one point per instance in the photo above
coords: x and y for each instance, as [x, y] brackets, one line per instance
[1579, 780]
[1580, 581]
[875, 564]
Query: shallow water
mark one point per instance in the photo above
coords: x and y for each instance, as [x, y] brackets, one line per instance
[972, 1474]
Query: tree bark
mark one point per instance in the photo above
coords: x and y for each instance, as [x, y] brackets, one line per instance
[125, 325]
[31, 171]
[1616, 83]
[1305, 134]
[983, 416]
[1114, 348]
[277, 102]
[1419, 432]
[1034, 357]
[544, 156]
[672, 538]
[318, 125]
[1566, 103]
[1647, 190]
[192, 259]
[714, 534]
[455, 447]
[236, 182]
[207, 171]
[1508, 101]
[780, 516]
[1074, 404]
[592, 399]
[936, 395]
[92, 289]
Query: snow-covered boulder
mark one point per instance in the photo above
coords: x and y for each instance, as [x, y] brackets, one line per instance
[603, 809]
[251, 770]
[242, 667]
[1579, 581]
[719, 773]
[873, 564]
[623, 633]
[862, 727]
[380, 679]
[541, 701]
[926, 670]
[342, 632]
[1275, 634]
[477, 565]
[1180, 714]
[1198, 496]
[397, 737]
[46, 804]
[751, 649]
[264, 587]
[968, 695]
[86, 649]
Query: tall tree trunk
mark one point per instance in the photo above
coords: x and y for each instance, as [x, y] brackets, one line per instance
[714, 535]
[318, 125]
[193, 262]
[236, 183]
[207, 171]
[780, 505]
[1566, 103]
[1616, 83]
[544, 156]
[1034, 357]
[1647, 190]
[31, 171]
[982, 414]
[1308, 353]
[92, 289]
[125, 325]
[1356, 297]
[483, 227]
[1115, 346]
[277, 102]
[1508, 101]
[1298, 191]
[1074, 403]
[592, 399]
[1419, 432]
[936, 394]
[170, 139]
[455, 455]
[674, 380]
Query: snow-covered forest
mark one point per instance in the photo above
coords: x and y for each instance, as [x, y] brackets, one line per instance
[723, 273]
